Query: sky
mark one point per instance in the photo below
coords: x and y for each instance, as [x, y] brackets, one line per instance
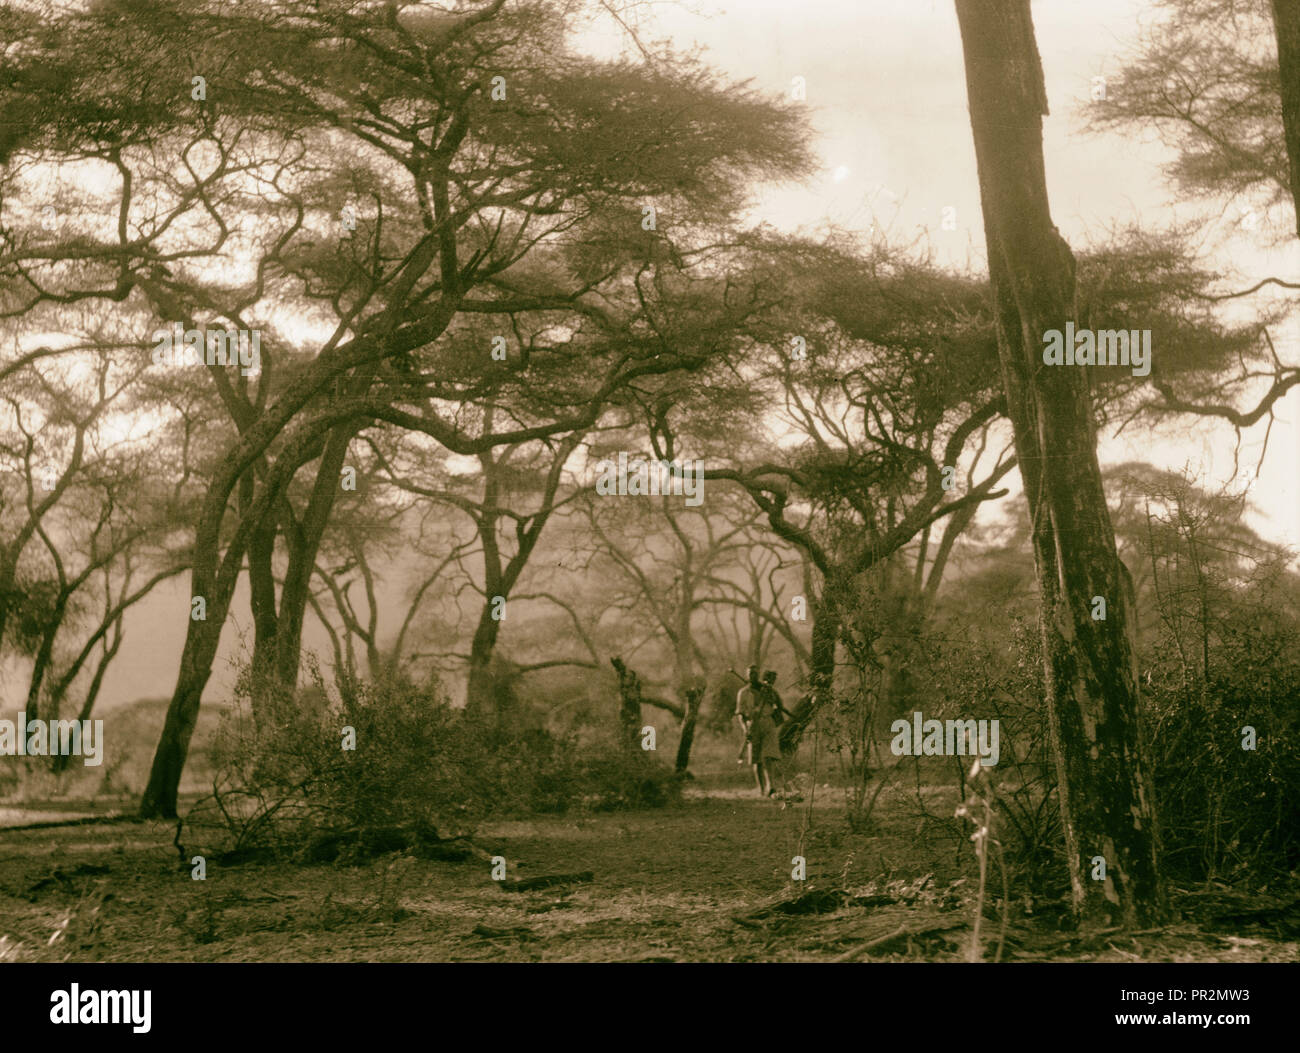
[886, 87]
[886, 84]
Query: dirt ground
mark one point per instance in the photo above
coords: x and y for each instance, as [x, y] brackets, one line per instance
[709, 880]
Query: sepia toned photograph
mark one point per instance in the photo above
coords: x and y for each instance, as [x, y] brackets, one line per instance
[650, 481]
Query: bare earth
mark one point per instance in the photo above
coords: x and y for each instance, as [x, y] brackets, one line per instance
[707, 881]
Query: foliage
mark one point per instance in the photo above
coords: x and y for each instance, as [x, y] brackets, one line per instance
[1228, 811]
[422, 772]
[998, 676]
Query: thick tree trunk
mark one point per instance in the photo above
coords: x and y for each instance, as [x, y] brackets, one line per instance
[161, 793]
[480, 683]
[44, 655]
[1286, 24]
[1090, 665]
[304, 550]
[825, 638]
[693, 696]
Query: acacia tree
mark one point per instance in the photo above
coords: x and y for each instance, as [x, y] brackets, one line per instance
[90, 508]
[1104, 786]
[471, 141]
[49, 443]
[1219, 81]
[367, 535]
[661, 307]
[874, 372]
[768, 575]
[505, 531]
[1191, 548]
[667, 563]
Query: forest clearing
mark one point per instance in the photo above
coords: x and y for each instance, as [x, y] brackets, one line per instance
[723, 893]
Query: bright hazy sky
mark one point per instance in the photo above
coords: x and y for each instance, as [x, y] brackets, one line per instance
[887, 88]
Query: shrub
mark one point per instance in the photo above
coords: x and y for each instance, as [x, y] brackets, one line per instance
[422, 773]
[613, 778]
[1226, 811]
[999, 676]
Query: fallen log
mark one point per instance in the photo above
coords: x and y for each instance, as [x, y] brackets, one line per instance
[545, 881]
[908, 931]
[89, 820]
[516, 932]
[815, 901]
[862, 948]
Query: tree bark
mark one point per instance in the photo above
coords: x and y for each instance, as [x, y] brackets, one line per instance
[629, 705]
[693, 696]
[480, 684]
[214, 579]
[302, 556]
[825, 638]
[1090, 670]
[1286, 24]
[264, 606]
[162, 792]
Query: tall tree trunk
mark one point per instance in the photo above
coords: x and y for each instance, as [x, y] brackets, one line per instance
[1106, 801]
[266, 622]
[277, 648]
[1286, 24]
[303, 552]
[162, 791]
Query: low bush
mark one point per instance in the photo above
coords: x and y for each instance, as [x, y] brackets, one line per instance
[1227, 796]
[387, 765]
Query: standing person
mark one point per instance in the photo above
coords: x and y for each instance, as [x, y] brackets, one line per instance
[762, 747]
[745, 706]
[779, 717]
